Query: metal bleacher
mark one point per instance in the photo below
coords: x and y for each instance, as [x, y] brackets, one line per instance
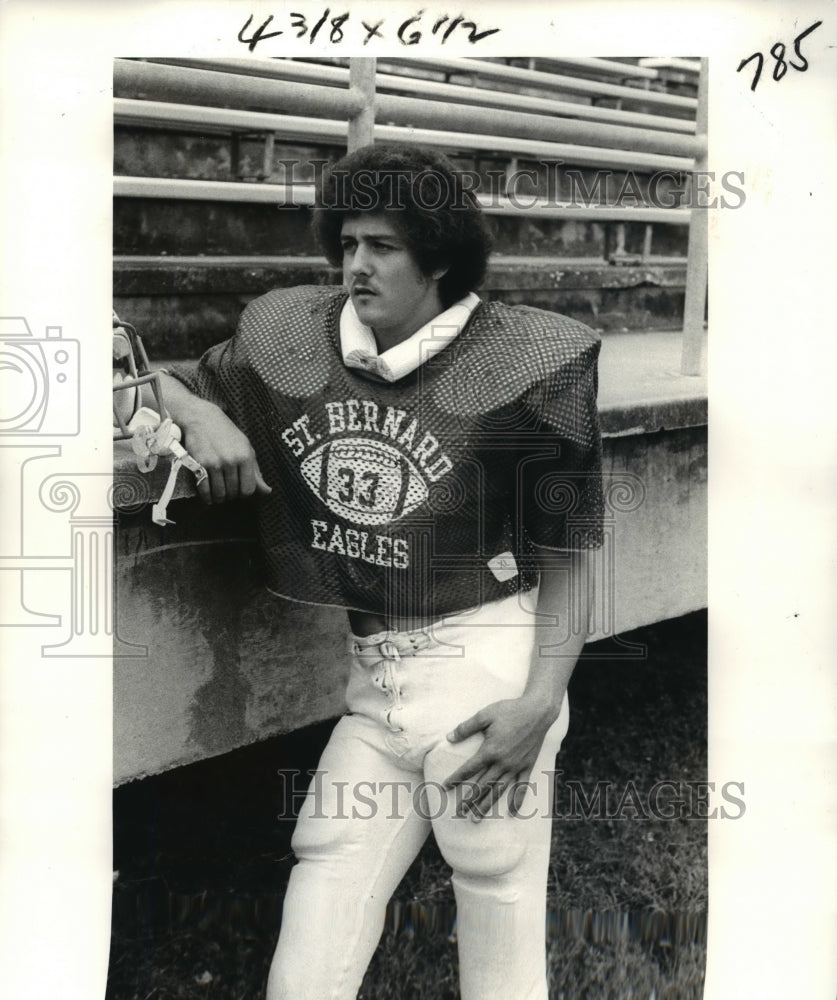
[501, 117]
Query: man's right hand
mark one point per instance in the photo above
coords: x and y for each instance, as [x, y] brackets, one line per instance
[212, 439]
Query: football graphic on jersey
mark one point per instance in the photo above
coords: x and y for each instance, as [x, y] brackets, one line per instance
[364, 481]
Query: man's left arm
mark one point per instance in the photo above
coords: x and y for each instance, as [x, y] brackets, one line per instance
[514, 729]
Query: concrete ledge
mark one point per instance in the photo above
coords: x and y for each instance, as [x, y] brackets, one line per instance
[226, 663]
[183, 304]
[641, 389]
[138, 275]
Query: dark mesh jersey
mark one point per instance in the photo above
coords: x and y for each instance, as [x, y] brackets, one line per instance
[393, 497]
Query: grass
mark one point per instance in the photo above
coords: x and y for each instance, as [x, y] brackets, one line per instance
[203, 860]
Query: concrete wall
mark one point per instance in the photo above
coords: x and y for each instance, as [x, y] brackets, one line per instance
[227, 664]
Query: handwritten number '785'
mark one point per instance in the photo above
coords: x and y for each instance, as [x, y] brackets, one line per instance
[778, 52]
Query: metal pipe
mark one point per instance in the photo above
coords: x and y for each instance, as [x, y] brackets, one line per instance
[160, 114]
[694, 306]
[316, 72]
[604, 66]
[544, 208]
[362, 88]
[537, 78]
[269, 69]
[521, 102]
[288, 195]
[302, 195]
[152, 81]
[288, 69]
[409, 111]
[221, 89]
[323, 130]
[666, 62]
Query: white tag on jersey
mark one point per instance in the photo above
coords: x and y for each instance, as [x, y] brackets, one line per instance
[503, 566]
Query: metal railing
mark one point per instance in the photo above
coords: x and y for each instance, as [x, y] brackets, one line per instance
[390, 78]
[302, 196]
[519, 77]
[162, 114]
[601, 67]
[697, 258]
[209, 87]
[332, 104]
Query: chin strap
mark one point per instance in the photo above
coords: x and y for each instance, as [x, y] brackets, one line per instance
[152, 437]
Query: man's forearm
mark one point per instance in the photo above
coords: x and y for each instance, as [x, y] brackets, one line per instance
[184, 407]
[565, 595]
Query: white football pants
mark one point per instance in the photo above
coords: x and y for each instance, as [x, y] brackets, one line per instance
[377, 794]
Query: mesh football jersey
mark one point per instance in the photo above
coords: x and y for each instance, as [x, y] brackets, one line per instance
[395, 497]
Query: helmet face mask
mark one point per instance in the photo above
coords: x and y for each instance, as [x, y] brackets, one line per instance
[129, 377]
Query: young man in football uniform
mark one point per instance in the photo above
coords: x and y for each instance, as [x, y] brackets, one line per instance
[431, 463]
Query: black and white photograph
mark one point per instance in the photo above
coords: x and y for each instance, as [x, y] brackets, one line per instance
[445, 449]
[435, 643]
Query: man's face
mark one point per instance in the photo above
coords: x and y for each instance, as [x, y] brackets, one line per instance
[387, 287]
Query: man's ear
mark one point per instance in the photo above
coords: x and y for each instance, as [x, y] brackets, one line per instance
[439, 273]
